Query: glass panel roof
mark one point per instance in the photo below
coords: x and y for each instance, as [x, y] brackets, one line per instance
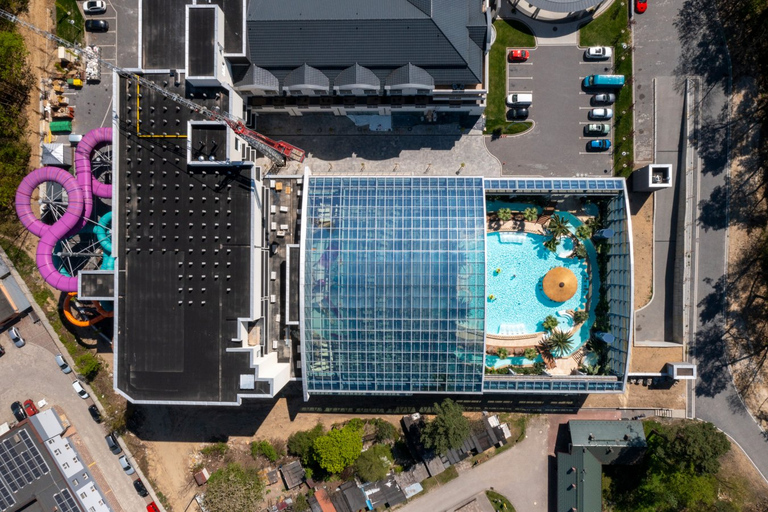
[394, 285]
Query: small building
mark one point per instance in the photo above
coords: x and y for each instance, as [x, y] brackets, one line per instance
[13, 302]
[57, 155]
[350, 498]
[321, 502]
[202, 476]
[384, 493]
[652, 177]
[293, 474]
[594, 443]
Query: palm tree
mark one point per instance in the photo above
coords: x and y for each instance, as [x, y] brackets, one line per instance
[531, 214]
[504, 214]
[558, 226]
[591, 370]
[559, 343]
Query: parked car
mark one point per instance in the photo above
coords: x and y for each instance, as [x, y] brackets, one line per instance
[598, 129]
[96, 25]
[601, 113]
[598, 52]
[604, 98]
[29, 407]
[94, 7]
[111, 440]
[16, 338]
[152, 507]
[62, 363]
[600, 144]
[518, 55]
[140, 489]
[80, 390]
[95, 414]
[126, 465]
[18, 411]
[517, 113]
[2, 351]
[520, 100]
[641, 6]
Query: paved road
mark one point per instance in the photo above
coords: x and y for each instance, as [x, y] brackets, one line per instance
[31, 372]
[520, 474]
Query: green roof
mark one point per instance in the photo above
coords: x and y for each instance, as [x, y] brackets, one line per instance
[612, 442]
[579, 477]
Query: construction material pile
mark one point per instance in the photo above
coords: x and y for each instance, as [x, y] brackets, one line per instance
[92, 65]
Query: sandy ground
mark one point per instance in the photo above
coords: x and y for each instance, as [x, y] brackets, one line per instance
[641, 205]
[652, 359]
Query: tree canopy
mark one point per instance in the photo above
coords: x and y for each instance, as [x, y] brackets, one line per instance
[374, 463]
[233, 488]
[338, 448]
[448, 429]
[302, 443]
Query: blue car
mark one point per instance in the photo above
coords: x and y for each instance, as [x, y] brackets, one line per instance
[600, 144]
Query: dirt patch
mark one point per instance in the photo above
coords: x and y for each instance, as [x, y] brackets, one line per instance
[638, 396]
[652, 359]
[641, 207]
[740, 478]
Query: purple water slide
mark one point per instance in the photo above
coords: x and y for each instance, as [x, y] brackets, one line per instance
[79, 209]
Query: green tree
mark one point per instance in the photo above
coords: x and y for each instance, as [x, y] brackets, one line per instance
[233, 488]
[551, 244]
[385, 431]
[584, 232]
[504, 214]
[301, 443]
[558, 226]
[700, 445]
[88, 365]
[559, 343]
[374, 463]
[531, 214]
[550, 323]
[448, 429]
[580, 316]
[338, 449]
[502, 353]
[580, 251]
[300, 504]
[265, 449]
[530, 353]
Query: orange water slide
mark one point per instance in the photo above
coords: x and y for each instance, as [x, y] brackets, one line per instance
[88, 321]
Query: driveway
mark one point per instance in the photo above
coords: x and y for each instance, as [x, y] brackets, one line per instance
[556, 145]
[520, 474]
[31, 372]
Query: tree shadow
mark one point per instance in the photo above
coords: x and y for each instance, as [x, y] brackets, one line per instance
[710, 354]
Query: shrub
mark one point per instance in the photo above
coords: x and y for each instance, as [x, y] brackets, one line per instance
[301, 443]
[88, 365]
[530, 353]
[265, 449]
[584, 232]
[581, 316]
[531, 214]
[580, 251]
[385, 431]
[502, 353]
[374, 463]
[300, 504]
[504, 214]
[550, 323]
[233, 488]
[219, 449]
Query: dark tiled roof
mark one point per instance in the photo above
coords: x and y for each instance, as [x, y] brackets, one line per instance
[257, 76]
[564, 5]
[293, 474]
[410, 75]
[357, 76]
[354, 496]
[305, 77]
[446, 38]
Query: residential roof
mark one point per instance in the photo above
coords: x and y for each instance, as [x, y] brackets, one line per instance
[320, 502]
[354, 496]
[293, 474]
[444, 37]
[384, 493]
[410, 76]
[564, 5]
[611, 442]
[579, 476]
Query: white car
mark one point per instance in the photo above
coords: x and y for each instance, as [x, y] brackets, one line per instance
[598, 52]
[62, 364]
[94, 7]
[601, 113]
[80, 390]
[126, 465]
[16, 338]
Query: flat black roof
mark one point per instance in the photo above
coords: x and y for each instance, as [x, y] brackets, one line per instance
[209, 140]
[163, 25]
[292, 282]
[202, 42]
[233, 24]
[184, 261]
[97, 284]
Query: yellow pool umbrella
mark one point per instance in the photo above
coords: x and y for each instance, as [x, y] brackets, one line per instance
[560, 284]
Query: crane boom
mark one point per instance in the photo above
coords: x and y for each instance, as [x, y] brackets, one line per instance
[277, 151]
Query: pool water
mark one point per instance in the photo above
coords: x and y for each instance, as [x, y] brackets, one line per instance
[520, 303]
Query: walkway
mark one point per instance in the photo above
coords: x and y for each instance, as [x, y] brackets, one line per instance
[520, 474]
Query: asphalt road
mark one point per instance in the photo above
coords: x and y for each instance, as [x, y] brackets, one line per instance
[31, 372]
[520, 474]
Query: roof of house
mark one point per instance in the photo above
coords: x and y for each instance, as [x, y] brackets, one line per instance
[447, 39]
[354, 496]
[384, 493]
[611, 442]
[321, 502]
[579, 476]
[293, 474]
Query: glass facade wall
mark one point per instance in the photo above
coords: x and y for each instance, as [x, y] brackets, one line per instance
[393, 277]
[618, 285]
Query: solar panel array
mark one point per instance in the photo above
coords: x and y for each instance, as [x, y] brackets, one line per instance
[19, 466]
[66, 502]
[563, 185]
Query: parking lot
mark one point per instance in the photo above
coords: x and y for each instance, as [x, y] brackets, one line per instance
[557, 144]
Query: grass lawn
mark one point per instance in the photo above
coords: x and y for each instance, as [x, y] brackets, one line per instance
[441, 479]
[611, 29]
[509, 33]
[64, 29]
[499, 502]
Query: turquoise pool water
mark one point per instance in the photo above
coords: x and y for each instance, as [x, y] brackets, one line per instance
[520, 305]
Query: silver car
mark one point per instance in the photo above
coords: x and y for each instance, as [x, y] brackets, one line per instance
[601, 113]
[16, 338]
[62, 364]
[126, 465]
[604, 98]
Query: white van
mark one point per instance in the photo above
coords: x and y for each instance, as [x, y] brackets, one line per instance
[520, 100]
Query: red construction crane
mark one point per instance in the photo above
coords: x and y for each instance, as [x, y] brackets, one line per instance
[277, 151]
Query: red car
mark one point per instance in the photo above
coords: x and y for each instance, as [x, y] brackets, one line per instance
[519, 55]
[641, 6]
[29, 406]
[152, 507]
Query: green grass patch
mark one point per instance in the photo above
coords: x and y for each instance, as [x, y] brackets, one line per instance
[499, 502]
[70, 24]
[441, 479]
[509, 33]
[612, 29]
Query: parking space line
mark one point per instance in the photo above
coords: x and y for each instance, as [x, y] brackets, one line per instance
[586, 108]
[596, 153]
[520, 64]
[521, 78]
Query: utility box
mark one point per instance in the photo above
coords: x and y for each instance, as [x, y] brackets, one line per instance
[681, 371]
[652, 177]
